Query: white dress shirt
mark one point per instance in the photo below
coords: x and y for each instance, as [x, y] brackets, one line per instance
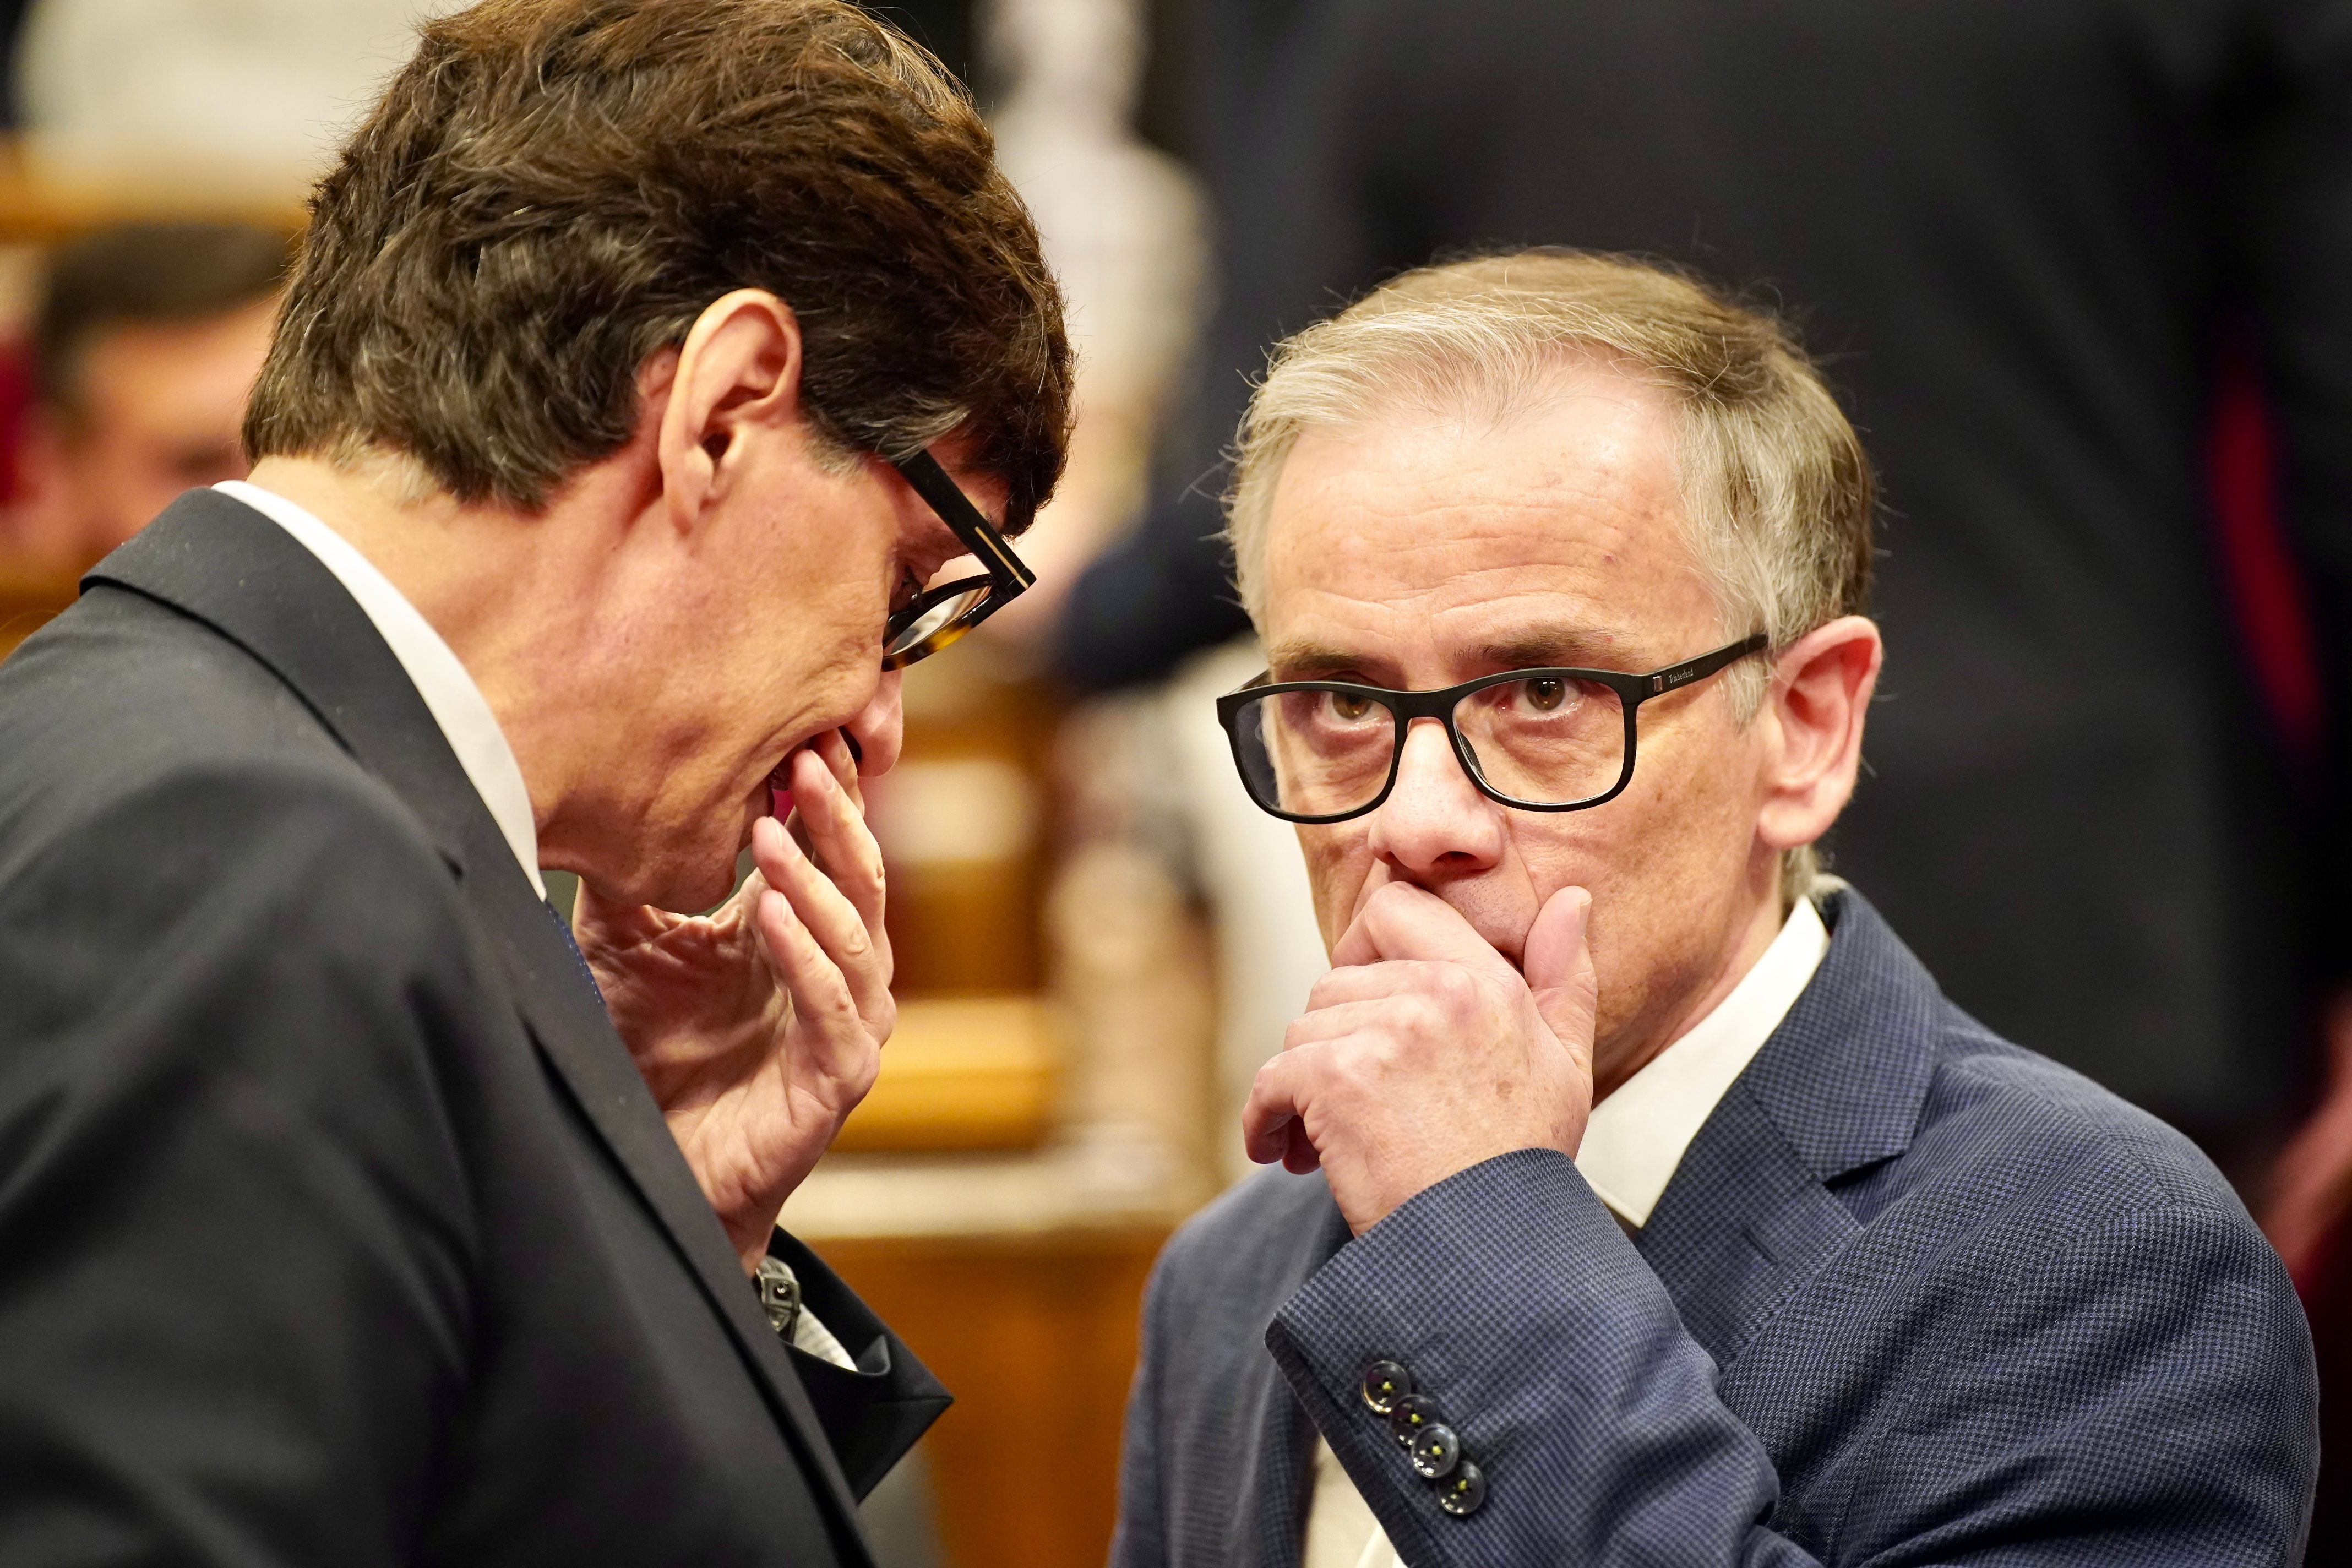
[472, 731]
[456, 703]
[1631, 1144]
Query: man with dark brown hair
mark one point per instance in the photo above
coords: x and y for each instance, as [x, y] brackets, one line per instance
[145, 346]
[645, 362]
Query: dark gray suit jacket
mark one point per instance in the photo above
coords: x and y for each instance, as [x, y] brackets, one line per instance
[1914, 1296]
[335, 1225]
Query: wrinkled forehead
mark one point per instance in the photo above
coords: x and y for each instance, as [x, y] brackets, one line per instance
[1431, 538]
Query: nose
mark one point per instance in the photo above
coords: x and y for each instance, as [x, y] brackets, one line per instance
[1434, 823]
[879, 728]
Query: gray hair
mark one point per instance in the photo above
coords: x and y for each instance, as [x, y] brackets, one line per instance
[1777, 492]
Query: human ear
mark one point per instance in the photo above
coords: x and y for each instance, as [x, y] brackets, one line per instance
[1813, 713]
[738, 371]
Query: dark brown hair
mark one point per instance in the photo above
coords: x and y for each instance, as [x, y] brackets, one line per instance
[143, 274]
[551, 191]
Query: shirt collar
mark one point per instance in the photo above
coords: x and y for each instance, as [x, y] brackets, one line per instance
[456, 702]
[1638, 1135]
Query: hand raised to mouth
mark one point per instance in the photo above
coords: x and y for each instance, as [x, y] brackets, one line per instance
[1423, 1052]
[759, 1028]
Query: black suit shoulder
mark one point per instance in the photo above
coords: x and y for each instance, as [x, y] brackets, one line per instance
[238, 1004]
[335, 1225]
[122, 691]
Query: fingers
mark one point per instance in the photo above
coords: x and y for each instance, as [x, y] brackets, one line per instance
[600, 925]
[841, 1030]
[1367, 982]
[1401, 1013]
[1558, 966]
[829, 805]
[1271, 1110]
[1273, 1125]
[832, 749]
[879, 728]
[853, 947]
[843, 764]
[1401, 921]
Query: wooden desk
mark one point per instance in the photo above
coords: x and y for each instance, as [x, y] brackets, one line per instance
[962, 1073]
[1035, 1335]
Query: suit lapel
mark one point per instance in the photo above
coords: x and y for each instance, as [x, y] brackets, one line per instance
[573, 1033]
[1271, 1512]
[226, 564]
[1749, 1217]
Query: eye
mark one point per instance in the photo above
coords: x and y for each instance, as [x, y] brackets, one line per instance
[1544, 694]
[1347, 705]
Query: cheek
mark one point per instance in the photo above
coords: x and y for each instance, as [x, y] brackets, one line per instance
[1338, 861]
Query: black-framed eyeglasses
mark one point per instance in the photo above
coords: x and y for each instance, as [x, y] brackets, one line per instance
[935, 617]
[1539, 740]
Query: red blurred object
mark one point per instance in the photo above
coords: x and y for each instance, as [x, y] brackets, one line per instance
[16, 405]
[2307, 1211]
[2258, 567]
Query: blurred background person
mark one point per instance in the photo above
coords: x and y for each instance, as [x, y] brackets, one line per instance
[144, 345]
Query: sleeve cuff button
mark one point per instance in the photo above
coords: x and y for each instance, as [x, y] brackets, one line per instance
[1385, 1383]
[1462, 1493]
[1411, 1415]
[1435, 1452]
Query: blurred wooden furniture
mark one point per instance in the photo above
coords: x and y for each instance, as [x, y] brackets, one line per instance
[27, 602]
[1036, 1336]
[964, 824]
[962, 1073]
[35, 210]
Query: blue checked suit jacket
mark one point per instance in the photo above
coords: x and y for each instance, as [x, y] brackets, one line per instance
[1914, 1296]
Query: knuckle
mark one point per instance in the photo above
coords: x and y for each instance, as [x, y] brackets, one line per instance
[1454, 989]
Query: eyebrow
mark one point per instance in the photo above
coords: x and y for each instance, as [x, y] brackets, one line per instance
[1312, 661]
[1579, 647]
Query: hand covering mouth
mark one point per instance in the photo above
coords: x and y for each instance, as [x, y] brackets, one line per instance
[779, 777]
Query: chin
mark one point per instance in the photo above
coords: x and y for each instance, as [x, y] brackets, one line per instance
[691, 878]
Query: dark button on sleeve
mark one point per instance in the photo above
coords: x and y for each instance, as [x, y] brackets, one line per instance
[1385, 1383]
[1461, 1493]
[1411, 1415]
[1435, 1451]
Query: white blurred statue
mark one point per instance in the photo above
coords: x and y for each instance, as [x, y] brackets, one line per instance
[242, 94]
[1122, 226]
[1121, 222]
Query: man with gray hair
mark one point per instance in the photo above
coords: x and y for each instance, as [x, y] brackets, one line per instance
[1646, 1201]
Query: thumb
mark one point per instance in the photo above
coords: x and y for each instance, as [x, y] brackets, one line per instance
[1558, 962]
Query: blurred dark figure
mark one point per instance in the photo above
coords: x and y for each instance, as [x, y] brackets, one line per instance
[2024, 234]
[12, 26]
[942, 27]
[147, 340]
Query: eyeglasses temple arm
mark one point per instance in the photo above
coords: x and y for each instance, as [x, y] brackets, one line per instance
[1704, 665]
[923, 474]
